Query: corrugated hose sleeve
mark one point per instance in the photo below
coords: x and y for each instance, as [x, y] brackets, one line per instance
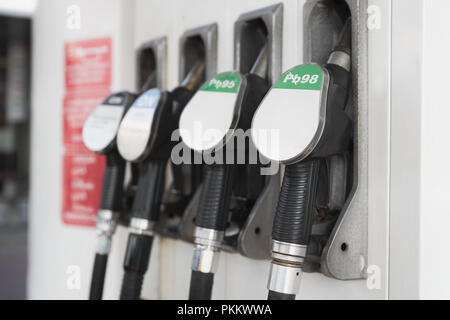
[294, 215]
[215, 197]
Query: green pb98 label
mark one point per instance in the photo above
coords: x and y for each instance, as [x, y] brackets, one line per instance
[305, 77]
[224, 82]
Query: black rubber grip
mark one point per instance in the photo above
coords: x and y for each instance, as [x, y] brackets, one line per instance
[147, 201]
[294, 215]
[201, 285]
[113, 180]
[273, 295]
[215, 197]
[98, 277]
[135, 265]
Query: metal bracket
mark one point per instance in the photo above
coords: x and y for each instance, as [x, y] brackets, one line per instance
[255, 238]
[345, 254]
[187, 226]
[273, 20]
[159, 49]
[208, 35]
[191, 49]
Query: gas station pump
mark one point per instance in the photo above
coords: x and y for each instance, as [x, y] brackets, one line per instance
[99, 135]
[144, 138]
[306, 109]
[223, 105]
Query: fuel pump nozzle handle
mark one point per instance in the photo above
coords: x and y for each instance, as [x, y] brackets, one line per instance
[193, 79]
[261, 65]
[112, 185]
[99, 135]
[150, 82]
[150, 189]
[310, 88]
[213, 213]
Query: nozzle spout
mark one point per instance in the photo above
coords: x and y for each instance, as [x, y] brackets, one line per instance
[261, 65]
[345, 38]
[150, 82]
[341, 54]
[194, 78]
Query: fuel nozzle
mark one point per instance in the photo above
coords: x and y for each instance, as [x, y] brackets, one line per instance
[194, 78]
[99, 135]
[243, 94]
[317, 95]
[144, 138]
[341, 53]
[261, 65]
[150, 82]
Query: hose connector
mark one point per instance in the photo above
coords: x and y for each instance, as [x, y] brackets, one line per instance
[142, 226]
[341, 59]
[286, 267]
[207, 249]
[106, 224]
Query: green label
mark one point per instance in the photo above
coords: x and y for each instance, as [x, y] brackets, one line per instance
[305, 77]
[224, 82]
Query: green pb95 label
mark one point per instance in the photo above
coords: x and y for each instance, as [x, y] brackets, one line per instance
[224, 82]
[305, 77]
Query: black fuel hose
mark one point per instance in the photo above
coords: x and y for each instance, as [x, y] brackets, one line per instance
[98, 276]
[201, 285]
[273, 295]
[146, 206]
[213, 214]
[147, 202]
[111, 199]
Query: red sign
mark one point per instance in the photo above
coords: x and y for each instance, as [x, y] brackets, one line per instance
[77, 107]
[88, 64]
[82, 176]
[88, 79]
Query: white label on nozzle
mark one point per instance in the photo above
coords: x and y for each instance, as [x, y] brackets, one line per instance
[208, 117]
[101, 126]
[288, 118]
[134, 131]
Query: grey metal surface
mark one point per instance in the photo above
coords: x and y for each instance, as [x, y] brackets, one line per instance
[255, 238]
[208, 34]
[273, 19]
[345, 255]
[105, 228]
[284, 279]
[142, 226]
[159, 47]
[187, 226]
